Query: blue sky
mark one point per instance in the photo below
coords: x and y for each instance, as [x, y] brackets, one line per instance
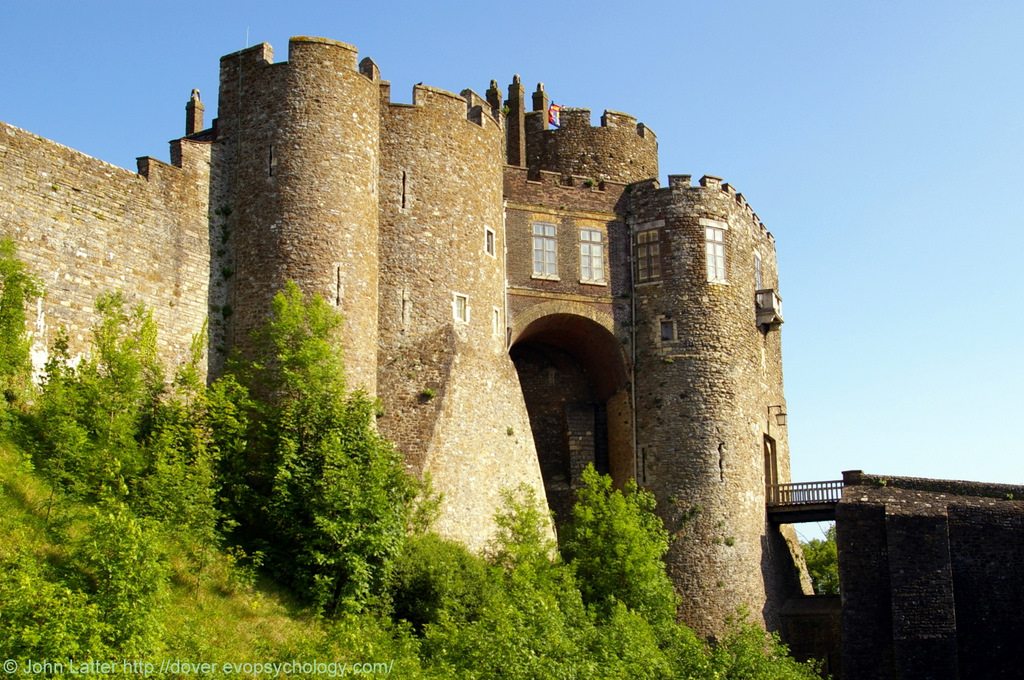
[881, 142]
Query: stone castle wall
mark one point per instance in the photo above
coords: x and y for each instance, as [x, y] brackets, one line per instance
[619, 150]
[450, 395]
[417, 222]
[86, 228]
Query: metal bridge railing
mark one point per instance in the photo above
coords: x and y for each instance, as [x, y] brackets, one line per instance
[805, 493]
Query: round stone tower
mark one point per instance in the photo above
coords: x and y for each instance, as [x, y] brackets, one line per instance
[708, 394]
[619, 150]
[442, 226]
[451, 400]
[298, 164]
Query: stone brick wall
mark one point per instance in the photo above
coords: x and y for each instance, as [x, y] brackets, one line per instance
[86, 228]
[440, 194]
[929, 575]
[812, 630]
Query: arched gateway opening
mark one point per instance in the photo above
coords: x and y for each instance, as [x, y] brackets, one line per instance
[573, 374]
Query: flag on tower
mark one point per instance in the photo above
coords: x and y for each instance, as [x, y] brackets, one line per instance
[553, 112]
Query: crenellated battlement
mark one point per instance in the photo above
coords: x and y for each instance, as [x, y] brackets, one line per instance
[304, 53]
[468, 105]
[313, 49]
[578, 118]
[262, 53]
[707, 183]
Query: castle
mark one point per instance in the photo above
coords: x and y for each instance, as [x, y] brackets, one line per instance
[524, 299]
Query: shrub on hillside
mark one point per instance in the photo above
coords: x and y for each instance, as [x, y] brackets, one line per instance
[317, 488]
[616, 545]
[438, 579]
[17, 287]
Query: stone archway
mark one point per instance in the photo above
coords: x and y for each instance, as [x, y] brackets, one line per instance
[574, 378]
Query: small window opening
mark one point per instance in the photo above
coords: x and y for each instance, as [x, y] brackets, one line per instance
[489, 241]
[270, 162]
[667, 330]
[460, 307]
[403, 189]
[721, 461]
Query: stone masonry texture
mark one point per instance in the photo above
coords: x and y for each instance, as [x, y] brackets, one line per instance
[425, 224]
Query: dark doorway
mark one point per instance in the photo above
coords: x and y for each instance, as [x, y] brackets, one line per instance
[771, 470]
[573, 378]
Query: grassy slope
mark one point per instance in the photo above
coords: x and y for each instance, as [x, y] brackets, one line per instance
[208, 613]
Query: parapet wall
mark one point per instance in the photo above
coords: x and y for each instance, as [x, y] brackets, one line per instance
[86, 227]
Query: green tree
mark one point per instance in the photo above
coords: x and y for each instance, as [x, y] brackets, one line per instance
[533, 623]
[93, 420]
[17, 287]
[616, 545]
[41, 618]
[823, 562]
[436, 579]
[179, 485]
[120, 565]
[747, 652]
[317, 487]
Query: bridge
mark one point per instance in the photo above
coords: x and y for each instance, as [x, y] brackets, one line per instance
[803, 501]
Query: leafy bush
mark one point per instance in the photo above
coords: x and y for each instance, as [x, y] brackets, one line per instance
[119, 563]
[437, 579]
[533, 625]
[93, 419]
[41, 618]
[317, 487]
[17, 286]
[101, 596]
[822, 559]
[616, 545]
[747, 652]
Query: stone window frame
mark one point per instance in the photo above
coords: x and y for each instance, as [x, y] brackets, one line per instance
[460, 312]
[496, 321]
[648, 252]
[715, 261]
[588, 244]
[490, 242]
[541, 265]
